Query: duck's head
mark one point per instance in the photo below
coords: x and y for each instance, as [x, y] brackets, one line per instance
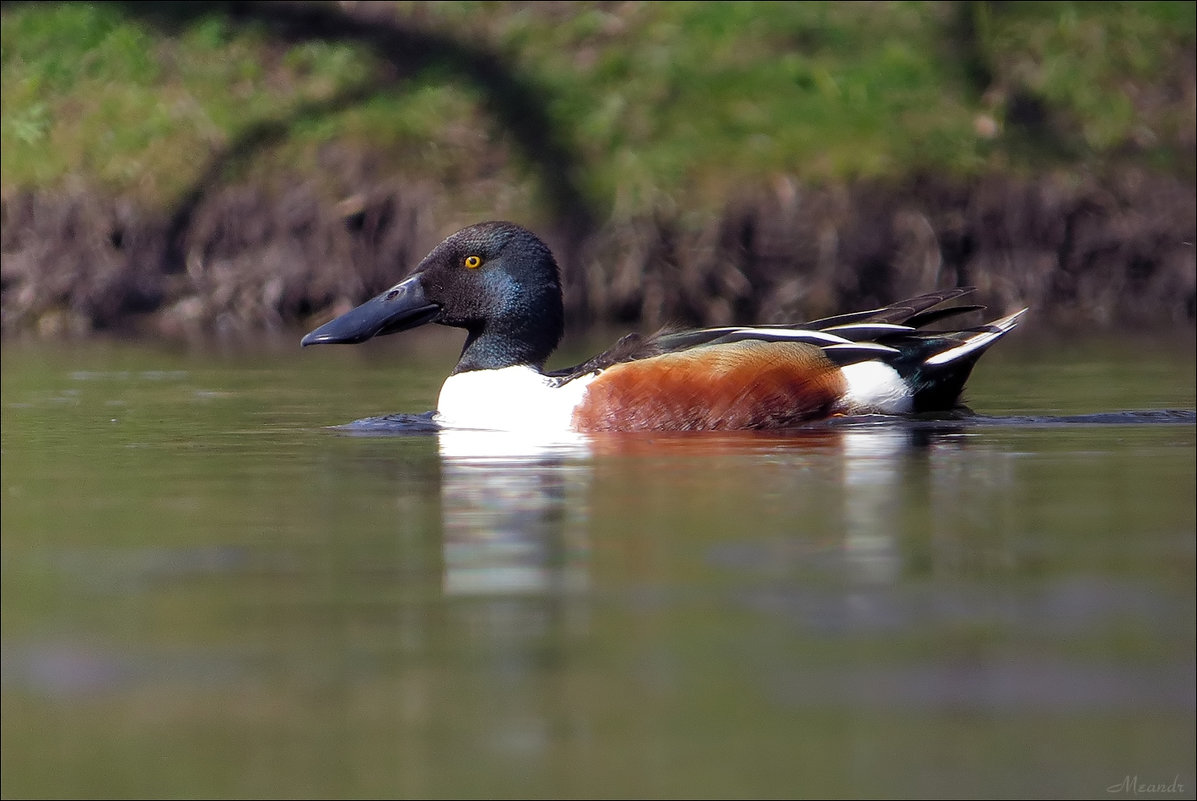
[497, 280]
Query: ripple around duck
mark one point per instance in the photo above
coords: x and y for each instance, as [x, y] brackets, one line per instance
[1123, 418]
[401, 423]
[398, 423]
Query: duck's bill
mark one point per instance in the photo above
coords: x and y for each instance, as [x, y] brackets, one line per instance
[401, 307]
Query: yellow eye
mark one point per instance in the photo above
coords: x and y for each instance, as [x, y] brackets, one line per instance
[473, 261]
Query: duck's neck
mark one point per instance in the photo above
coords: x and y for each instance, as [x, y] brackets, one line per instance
[493, 348]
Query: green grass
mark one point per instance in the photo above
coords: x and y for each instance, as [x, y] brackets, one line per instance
[667, 104]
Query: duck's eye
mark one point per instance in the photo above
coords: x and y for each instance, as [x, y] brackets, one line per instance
[473, 261]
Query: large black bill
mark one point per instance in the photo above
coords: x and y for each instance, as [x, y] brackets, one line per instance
[401, 307]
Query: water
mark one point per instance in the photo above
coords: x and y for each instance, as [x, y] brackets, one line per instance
[208, 592]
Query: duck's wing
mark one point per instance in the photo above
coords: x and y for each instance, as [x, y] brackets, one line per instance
[890, 333]
[905, 315]
[845, 338]
[903, 311]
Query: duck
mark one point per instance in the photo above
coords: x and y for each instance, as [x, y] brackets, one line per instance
[501, 283]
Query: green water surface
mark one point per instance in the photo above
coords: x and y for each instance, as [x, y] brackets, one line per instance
[208, 593]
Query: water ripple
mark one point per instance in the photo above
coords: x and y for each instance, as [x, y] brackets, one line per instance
[425, 423]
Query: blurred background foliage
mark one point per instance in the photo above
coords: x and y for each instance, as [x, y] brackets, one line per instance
[665, 103]
[663, 124]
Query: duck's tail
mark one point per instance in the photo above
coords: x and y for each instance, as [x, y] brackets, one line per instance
[937, 365]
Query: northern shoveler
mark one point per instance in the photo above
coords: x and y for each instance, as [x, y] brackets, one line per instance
[500, 283]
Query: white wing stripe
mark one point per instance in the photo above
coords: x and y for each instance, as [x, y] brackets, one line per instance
[781, 333]
[998, 328]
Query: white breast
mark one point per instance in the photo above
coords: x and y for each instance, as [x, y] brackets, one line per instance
[511, 399]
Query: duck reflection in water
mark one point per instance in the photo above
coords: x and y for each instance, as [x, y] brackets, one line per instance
[517, 517]
[532, 544]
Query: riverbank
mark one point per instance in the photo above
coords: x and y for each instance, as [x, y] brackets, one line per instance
[246, 258]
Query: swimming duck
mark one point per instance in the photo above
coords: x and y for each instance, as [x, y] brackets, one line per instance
[500, 283]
